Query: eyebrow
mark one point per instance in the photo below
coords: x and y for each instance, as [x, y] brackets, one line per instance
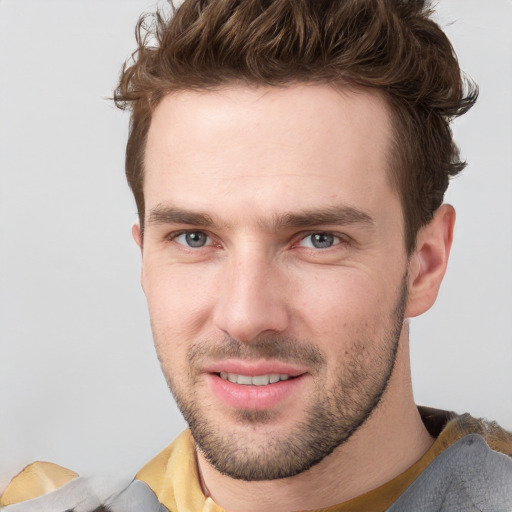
[335, 215]
[162, 214]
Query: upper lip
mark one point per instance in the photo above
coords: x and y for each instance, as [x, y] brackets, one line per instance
[254, 368]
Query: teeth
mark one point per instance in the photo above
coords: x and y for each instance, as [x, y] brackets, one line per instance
[258, 380]
[274, 377]
[243, 379]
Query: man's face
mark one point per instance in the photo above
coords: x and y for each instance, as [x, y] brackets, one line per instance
[274, 268]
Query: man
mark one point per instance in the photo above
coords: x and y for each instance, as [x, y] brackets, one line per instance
[289, 161]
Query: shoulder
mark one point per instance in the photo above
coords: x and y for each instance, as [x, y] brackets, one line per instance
[35, 480]
[472, 473]
[47, 487]
[168, 477]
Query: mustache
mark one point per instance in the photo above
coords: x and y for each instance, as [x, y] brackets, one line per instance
[270, 347]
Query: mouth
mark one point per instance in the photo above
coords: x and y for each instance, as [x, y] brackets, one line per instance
[256, 380]
[255, 386]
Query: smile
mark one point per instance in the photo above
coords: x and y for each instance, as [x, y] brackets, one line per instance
[259, 391]
[257, 380]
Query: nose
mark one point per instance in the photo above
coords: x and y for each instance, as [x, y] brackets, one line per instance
[251, 299]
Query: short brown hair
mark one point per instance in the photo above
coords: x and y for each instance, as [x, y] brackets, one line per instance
[390, 45]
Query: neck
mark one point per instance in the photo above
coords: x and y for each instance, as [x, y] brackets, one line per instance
[390, 441]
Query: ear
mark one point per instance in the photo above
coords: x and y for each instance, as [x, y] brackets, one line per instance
[427, 264]
[137, 235]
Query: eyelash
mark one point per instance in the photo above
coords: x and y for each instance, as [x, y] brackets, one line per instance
[171, 237]
[342, 239]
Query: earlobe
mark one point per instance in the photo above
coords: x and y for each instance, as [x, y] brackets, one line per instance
[137, 235]
[428, 263]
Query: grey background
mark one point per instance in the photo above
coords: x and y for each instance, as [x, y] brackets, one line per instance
[79, 381]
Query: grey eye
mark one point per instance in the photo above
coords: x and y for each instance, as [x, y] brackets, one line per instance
[319, 241]
[193, 239]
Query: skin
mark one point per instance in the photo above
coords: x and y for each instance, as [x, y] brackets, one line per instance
[243, 157]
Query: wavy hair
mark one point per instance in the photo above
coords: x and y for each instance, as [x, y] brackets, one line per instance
[390, 45]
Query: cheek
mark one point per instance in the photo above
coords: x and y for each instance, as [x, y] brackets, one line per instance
[180, 301]
[343, 305]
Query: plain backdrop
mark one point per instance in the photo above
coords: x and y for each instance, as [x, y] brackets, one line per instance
[79, 382]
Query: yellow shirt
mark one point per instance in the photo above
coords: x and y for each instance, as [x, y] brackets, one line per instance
[173, 474]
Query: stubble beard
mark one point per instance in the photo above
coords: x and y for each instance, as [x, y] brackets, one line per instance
[333, 417]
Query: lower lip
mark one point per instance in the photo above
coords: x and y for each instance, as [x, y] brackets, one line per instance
[253, 398]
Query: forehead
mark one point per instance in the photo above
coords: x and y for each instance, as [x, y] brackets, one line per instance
[242, 143]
